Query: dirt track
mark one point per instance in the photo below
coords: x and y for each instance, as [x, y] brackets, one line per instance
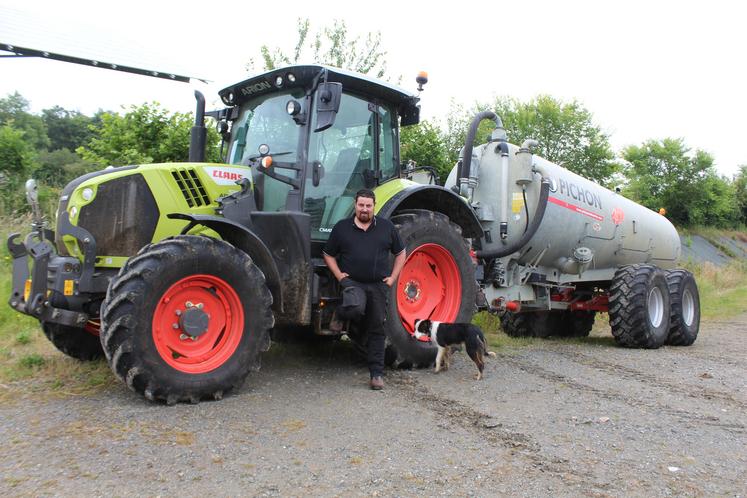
[556, 418]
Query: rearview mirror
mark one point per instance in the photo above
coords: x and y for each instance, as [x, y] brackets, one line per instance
[327, 104]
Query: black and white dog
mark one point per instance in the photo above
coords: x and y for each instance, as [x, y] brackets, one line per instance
[445, 335]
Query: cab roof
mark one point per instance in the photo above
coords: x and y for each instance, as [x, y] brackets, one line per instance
[306, 75]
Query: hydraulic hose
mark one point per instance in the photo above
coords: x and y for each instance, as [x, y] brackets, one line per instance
[538, 217]
[466, 161]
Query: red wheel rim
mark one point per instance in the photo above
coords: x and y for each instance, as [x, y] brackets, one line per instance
[429, 287]
[213, 346]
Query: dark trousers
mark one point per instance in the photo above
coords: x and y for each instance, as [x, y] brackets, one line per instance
[377, 297]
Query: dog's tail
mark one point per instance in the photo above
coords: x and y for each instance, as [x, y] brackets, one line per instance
[485, 345]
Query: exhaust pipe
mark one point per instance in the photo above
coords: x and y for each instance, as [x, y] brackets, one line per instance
[198, 134]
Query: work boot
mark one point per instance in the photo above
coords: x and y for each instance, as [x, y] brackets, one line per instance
[377, 383]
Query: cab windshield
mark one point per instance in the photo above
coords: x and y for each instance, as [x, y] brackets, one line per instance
[264, 120]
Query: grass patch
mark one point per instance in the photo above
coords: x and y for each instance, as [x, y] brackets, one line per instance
[723, 289]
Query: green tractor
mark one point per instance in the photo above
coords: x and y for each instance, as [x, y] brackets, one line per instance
[177, 273]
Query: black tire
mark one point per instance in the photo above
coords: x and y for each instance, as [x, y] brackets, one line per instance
[516, 324]
[533, 323]
[577, 323]
[416, 228]
[75, 342]
[639, 306]
[685, 308]
[142, 291]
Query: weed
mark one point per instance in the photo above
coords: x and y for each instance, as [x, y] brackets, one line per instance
[23, 337]
[32, 360]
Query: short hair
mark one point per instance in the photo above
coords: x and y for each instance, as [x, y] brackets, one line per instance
[367, 193]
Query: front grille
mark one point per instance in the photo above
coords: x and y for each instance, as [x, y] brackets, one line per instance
[123, 216]
[191, 186]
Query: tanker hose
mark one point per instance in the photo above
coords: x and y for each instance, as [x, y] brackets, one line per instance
[538, 216]
[468, 142]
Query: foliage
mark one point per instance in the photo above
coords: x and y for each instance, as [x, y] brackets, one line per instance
[664, 173]
[144, 134]
[424, 144]
[16, 161]
[14, 112]
[66, 129]
[59, 167]
[740, 192]
[566, 133]
[330, 45]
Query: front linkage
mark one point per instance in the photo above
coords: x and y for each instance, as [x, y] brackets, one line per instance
[57, 289]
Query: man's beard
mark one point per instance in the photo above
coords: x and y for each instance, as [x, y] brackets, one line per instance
[363, 217]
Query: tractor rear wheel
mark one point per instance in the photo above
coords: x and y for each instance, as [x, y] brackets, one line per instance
[79, 343]
[685, 313]
[186, 319]
[437, 282]
[639, 306]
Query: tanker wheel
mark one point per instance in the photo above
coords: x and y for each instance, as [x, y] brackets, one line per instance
[685, 313]
[79, 343]
[516, 324]
[533, 323]
[639, 306]
[186, 319]
[437, 282]
[577, 323]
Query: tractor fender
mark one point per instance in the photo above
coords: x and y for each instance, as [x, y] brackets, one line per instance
[246, 240]
[439, 199]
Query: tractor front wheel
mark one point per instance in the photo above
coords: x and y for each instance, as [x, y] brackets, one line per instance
[186, 319]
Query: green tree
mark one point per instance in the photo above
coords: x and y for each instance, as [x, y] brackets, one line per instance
[14, 112]
[740, 192]
[665, 173]
[58, 167]
[66, 129]
[332, 45]
[424, 144]
[16, 162]
[565, 131]
[144, 134]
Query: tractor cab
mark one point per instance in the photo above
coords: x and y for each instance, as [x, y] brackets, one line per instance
[314, 136]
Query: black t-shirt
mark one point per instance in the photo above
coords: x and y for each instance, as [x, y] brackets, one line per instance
[364, 254]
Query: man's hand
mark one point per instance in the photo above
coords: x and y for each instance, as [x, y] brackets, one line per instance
[343, 276]
[389, 280]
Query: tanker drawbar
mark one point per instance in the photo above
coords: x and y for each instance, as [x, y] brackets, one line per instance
[558, 248]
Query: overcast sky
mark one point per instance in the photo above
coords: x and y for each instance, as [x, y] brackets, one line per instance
[645, 69]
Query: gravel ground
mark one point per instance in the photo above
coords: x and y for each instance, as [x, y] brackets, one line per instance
[555, 418]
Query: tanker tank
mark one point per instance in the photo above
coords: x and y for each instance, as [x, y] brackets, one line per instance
[586, 230]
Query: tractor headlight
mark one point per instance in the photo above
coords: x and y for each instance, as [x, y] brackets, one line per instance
[293, 107]
[87, 194]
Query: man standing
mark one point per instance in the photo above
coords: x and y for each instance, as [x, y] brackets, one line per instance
[357, 253]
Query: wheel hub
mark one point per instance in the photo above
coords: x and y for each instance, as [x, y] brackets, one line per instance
[412, 291]
[193, 321]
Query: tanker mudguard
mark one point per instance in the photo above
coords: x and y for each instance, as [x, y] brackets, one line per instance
[439, 199]
[238, 236]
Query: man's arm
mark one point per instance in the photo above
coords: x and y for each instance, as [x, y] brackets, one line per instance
[399, 262]
[333, 267]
